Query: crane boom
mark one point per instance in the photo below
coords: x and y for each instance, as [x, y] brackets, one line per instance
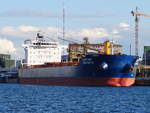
[86, 46]
[139, 14]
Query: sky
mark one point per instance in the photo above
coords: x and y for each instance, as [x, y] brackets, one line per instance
[99, 20]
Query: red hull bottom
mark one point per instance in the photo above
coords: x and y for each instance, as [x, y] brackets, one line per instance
[70, 81]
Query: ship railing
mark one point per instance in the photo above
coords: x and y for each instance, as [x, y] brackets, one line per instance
[53, 64]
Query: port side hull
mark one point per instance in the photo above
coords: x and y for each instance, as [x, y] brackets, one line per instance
[97, 70]
[79, 81]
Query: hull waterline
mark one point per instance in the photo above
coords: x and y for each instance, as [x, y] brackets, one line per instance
[69, 81]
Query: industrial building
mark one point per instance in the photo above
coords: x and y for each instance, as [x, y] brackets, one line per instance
[144, 66]
[77, 51]
[146, 55]
[146, 61]
[6, 61]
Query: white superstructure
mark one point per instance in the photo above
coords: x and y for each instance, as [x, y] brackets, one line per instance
[40, 51]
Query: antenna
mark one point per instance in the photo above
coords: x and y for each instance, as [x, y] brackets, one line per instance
[112, 46]
[130, 48]
[63, 21]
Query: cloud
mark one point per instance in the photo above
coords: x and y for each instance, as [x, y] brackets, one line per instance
[48, 14]
[25, 32]
[92, 33]
[115, 31]
[124, 26]
[14, 36]
[96, 32]
[7, 46]
[20, 33]
[27, 13]
[28, 28]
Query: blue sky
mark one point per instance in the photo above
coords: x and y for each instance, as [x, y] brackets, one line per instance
[19, 20]
[119, 9]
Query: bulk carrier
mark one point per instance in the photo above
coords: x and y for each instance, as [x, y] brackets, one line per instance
[107, 67]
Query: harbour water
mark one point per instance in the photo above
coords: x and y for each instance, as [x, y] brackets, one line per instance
[17, 98]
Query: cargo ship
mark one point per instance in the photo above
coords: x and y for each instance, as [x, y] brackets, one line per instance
[44, 66]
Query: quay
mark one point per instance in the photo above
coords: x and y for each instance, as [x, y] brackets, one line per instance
[142, 81]
[143, 76]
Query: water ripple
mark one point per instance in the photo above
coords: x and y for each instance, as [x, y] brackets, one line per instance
[15, 98]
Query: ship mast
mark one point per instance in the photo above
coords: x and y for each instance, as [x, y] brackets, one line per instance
[63, 22]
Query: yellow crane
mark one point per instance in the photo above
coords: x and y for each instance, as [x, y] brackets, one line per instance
[137, 14]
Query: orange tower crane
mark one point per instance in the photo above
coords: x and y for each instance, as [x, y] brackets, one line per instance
[137, 15]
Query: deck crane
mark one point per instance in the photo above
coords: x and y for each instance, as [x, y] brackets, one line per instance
[84, 45]
[137, 15]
